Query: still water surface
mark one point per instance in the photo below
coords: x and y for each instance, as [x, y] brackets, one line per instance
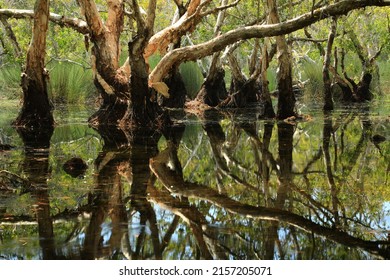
[216, 186]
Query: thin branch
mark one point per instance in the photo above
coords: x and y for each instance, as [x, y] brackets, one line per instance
[74, 23]
[221, 8]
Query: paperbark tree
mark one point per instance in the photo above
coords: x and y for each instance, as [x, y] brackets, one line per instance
[213, 89]
[286, 102]
[109, 78]
[36, 109]
[328, 101]
[128, 98]
[286, 99]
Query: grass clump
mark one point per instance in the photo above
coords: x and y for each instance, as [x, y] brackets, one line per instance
[192, 78]
[70, 82]
[312, 73]
[10, 88]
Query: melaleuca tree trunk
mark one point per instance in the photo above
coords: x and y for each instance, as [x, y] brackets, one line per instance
[328, 101]
[286, 99]
[110, 78]
[36, 110]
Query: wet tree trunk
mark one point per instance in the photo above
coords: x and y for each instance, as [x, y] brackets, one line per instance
[362, 91]
[286, 99]
[242, 90]
[328, 101]
[174, 81]
[213, 89]
[265, 97]
[36, 110]
[142, 109]
[177, 89]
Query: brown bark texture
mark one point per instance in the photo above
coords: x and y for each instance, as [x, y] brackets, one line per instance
[36, 109]
[286, 99]
[328, 101]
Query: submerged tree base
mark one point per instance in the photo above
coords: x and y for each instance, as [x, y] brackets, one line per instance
[213, 90]
[110, 113]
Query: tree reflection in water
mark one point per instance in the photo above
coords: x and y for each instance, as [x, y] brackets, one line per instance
[36, 168]
[228, 190]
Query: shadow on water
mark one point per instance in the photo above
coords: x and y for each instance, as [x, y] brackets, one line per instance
[218, 186]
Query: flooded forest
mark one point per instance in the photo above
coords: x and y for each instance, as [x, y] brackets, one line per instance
[194, 129]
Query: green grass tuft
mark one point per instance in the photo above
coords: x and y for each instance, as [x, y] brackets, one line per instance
[192, 77]
[10, 81]
[70, 83]
[312, 73]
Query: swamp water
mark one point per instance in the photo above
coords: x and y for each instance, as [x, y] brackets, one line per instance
[216, 186]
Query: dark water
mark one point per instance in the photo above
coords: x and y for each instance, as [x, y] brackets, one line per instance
[216, 186]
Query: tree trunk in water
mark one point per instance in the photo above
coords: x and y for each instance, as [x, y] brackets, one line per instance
[110, 79]
[328, 101]
[177, 90]
[36, 110]
[143, 108]
[363, 92]
[243, 90]
[174, 80]
[265, 97]
[213, 89]
[286, 100]
[352, 91]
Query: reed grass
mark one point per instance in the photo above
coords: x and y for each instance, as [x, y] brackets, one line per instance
[312, 73]
[10, 81]
[192, 78]
[70, 82]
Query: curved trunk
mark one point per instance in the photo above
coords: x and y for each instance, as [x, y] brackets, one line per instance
[36, 110]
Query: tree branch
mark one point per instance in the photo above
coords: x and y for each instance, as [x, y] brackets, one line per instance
[163, 38]
[221, 8]
[73, 23]
[256, 31]
[92, 16]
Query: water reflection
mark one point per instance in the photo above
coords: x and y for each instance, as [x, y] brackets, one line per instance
[217, 187]
[35, 166]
